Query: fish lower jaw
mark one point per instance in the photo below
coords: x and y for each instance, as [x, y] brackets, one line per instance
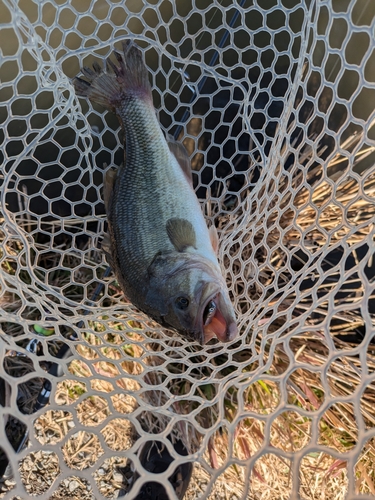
[218, 326]
[215, 329]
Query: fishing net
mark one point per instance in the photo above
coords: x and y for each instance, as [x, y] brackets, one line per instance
[274, 101]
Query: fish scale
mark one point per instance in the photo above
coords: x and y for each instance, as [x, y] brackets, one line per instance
[148, 191]
[161, 249]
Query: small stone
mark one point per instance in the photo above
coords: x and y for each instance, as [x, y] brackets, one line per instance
[73, 485]
[117, 477]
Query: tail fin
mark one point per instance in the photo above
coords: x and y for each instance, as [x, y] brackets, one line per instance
[111, 85]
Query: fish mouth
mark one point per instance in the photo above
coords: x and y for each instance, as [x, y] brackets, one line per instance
[214, 321]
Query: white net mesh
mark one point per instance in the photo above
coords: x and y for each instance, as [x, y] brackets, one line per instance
[275, 100]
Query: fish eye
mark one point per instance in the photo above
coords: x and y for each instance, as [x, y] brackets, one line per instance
[182, 303]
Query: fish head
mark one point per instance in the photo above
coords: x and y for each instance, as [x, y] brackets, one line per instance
[189, 295]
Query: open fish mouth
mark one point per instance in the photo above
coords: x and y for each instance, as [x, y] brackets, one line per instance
[214, 323]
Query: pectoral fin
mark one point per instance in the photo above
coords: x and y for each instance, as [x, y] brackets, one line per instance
[181, 234]
[214, 238]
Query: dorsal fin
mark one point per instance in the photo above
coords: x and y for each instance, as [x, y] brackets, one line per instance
[182, 157]
[181, 233]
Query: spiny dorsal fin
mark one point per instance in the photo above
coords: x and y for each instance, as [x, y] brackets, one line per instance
[214, 238]
[106, 248]
[182, 157]
[181, 233]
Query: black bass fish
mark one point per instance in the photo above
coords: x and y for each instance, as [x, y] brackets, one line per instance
[161, 250]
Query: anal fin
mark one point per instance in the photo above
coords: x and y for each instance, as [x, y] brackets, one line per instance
[182, 157]
[109, 181]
